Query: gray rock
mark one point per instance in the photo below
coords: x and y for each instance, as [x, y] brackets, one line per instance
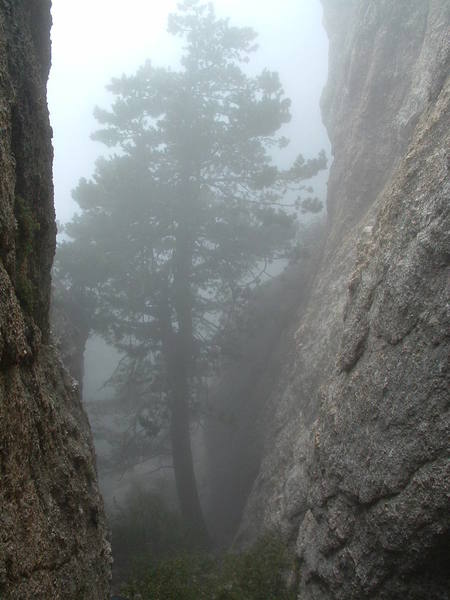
[53, 541]
[355, 471]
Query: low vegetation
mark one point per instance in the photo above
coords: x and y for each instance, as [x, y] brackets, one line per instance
[152, 553]
[260, 573]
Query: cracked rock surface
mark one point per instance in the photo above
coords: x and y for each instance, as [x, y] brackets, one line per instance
[52, 530]
[356, 467]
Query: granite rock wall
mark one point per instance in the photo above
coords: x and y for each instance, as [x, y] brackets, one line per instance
[53, 541]
[355, 470]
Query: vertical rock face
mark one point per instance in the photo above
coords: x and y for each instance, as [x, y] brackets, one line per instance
[52, 531]
[356, 468]
[234, 431]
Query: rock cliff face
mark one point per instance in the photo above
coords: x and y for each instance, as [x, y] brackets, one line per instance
[356, 465]
[52, 531]
[234, 433]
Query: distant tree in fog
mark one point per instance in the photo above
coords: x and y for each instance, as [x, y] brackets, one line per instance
[178, 221]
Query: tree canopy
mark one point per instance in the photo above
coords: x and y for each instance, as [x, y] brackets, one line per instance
[179, 219]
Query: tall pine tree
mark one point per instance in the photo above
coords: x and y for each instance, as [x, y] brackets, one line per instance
[175, 222]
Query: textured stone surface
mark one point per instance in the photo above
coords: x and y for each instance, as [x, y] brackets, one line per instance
[260, 340]
[70, 330]
[52, 532]
[356, 468]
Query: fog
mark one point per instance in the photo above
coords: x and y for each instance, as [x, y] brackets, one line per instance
[95, 40]
[193, 242]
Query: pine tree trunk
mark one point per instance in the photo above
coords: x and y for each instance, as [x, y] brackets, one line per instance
[180, 360]
[183, 460]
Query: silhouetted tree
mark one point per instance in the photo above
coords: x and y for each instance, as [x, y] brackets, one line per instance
[174, 224]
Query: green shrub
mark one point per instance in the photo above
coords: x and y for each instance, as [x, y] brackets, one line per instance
[152, 550]
[186, 577]
[257, 574]
[144, 530]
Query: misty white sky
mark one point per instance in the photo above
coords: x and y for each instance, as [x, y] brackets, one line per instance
[94, 40]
